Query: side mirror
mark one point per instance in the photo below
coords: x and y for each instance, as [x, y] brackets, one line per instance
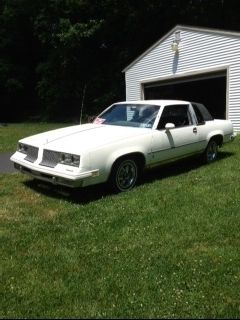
[169, 126]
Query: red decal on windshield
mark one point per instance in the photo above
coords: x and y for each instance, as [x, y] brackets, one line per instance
[98, 120]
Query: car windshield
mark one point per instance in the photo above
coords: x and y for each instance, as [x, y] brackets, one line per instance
[131, 115]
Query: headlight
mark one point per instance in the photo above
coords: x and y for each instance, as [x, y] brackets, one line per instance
[22, 148]
[70, 159]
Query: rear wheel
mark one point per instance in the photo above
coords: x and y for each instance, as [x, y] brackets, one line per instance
[125, 174]
[211, 152]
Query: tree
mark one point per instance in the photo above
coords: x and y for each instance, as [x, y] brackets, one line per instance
[59, 55]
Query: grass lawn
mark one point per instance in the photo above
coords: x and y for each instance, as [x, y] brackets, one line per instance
[10, 134]
[167, 249]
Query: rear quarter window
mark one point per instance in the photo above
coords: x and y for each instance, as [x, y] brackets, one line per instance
[202, 113]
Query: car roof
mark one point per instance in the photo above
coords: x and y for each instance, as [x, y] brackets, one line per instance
[160, 102]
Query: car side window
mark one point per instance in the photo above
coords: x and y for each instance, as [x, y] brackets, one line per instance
[198, 114]
[179, 115]
[202, 113]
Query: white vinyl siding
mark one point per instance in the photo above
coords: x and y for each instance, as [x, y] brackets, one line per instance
[201, 51]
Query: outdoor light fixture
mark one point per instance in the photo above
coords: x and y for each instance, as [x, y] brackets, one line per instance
[176, 41]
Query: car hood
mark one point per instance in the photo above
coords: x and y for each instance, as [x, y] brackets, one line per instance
[85, 137]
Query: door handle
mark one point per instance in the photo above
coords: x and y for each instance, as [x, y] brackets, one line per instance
[195, 130]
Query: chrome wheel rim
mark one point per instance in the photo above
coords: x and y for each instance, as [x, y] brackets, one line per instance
[126, 175]
[212, 151]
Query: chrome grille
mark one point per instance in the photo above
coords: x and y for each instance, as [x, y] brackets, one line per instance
[32, 153]
[50, 158]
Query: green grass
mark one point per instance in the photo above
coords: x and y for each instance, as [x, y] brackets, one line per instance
[167, 249]
[10, 134]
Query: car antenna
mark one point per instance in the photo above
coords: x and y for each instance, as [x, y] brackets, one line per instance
[83, 96]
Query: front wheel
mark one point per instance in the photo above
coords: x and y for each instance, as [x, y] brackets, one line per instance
[125, 174]
[211, 152]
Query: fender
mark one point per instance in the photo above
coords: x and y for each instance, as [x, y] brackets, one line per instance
[124, 152]
[103, 161]
[215, 133]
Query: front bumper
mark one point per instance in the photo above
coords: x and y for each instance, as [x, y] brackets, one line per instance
[56, 178]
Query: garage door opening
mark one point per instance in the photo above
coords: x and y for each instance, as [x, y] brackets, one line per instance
[209, 89]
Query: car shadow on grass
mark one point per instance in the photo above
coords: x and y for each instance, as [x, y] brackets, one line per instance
[179, 167]
[96, 192]
[74, 195]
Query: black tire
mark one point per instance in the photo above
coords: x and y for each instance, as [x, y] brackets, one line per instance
[125, 174]
[211, 152]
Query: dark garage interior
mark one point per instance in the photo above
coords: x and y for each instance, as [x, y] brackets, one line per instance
[209, 89]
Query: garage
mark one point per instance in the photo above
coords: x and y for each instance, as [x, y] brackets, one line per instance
[202, 88]
[193, 64]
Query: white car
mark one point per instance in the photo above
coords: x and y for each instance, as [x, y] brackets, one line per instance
[122, 141]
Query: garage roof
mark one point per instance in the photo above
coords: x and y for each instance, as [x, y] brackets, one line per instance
[180, 28]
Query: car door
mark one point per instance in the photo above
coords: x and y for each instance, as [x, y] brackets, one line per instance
[181, 140]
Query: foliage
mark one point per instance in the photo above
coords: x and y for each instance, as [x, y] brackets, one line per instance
[59, 55]
[167, 249]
